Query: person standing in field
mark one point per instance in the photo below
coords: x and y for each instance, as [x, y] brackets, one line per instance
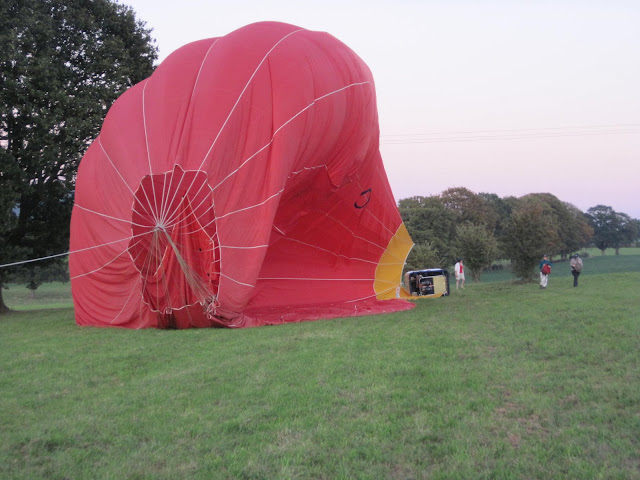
[459, 271]
[576, 268]
[545, 270]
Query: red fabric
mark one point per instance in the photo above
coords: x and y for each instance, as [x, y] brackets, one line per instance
[240, 185]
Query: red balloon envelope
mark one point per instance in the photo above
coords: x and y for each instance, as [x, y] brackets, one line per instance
[240, 185]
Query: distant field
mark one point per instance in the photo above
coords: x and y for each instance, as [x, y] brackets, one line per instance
[497, 381]
[627, 261]
[594, 252]
[48, 295]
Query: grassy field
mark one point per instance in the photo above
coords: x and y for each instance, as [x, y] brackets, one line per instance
[627, 261]
[48, 295]
[58, 295]
[497, 381]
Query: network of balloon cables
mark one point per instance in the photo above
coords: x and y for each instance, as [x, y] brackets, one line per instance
[470, 136]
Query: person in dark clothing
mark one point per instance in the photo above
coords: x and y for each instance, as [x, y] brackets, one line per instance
[576, 268]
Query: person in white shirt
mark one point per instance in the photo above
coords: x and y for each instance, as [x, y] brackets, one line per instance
[459, 271]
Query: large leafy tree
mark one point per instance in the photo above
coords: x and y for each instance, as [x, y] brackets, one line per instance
[8, 221]
[580, 230]
[611, 229]
[469, 207]
[530, 233]
[62, 64]
[430, 224]
[635, 233]
[501, 209]
[477, 246]
[627, 231]
[570, 225]
[603, 221]
[423, 256]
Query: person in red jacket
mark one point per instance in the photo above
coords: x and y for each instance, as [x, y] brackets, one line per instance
[459, 271]
[545, 270]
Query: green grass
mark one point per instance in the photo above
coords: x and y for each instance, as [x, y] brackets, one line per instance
[58, 294]
[627, 261]
[48, 295]
[496, 381]
[594, 252]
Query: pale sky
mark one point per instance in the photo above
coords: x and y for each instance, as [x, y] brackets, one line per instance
[462, 84]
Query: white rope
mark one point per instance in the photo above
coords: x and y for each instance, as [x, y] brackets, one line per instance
[102, 266]
[164, 213]
[320, 279]
[284, 125]
[237, 281]
[375, 295]
[165, 190]
[113, 218]
[242, 93]
[353, 233]
[196, 283]
[146, 139]
[247, 208]
[71, 252]
[165, 206]
[137, 200]
[169, 217]
[379, 221]
[195, 221]
[126, 301]
[328, 251]
[34, 260]
[113, 165]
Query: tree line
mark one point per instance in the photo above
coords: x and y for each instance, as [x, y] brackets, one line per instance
[62, 64]
[482, 228]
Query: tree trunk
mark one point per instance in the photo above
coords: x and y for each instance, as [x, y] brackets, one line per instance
[617, 250]
[3, 307]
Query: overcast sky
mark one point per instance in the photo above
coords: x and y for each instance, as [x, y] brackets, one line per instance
[505, 97]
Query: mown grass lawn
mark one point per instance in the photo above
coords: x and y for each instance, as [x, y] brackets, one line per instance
[497, 381]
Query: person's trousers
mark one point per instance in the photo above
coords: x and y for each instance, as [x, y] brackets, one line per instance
[575, 277]
[544, 279]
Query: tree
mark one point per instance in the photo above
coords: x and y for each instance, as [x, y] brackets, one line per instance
[501, 209]
[469, 207]
[422, 256]
[8, 220]
[428, 221]
[580, 231]
[477, 247]
[62, 64]
[626, 231]
[529, 234]
[604, 221]
[570, 224]
[636, 227]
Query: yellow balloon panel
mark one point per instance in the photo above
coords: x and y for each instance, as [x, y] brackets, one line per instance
[389, 270]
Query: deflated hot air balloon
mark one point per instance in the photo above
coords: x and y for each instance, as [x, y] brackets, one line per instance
[240, 185]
